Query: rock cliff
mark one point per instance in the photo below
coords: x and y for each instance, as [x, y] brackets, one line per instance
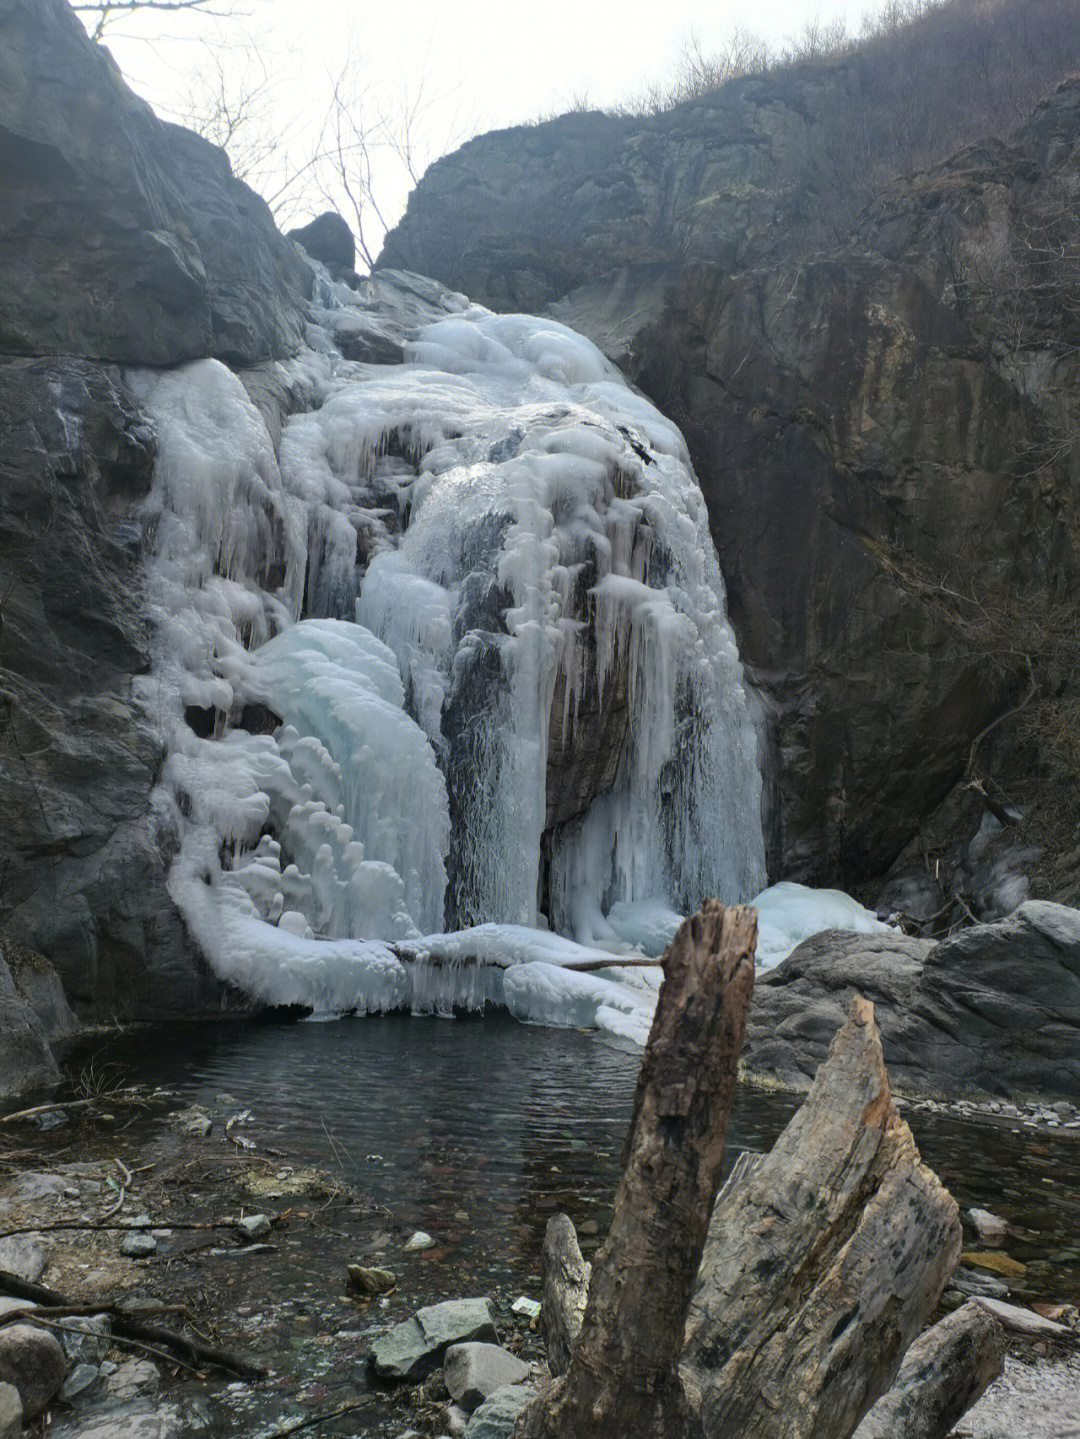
[876, 397]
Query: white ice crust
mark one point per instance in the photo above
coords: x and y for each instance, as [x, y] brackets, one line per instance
[369, 633]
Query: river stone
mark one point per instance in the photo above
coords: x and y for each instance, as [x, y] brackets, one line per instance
[495, 1417]
[33, 1361]
[86, 1338]
[253, 1226]
[1022, 1321]
[78, 1381]
[134, 1376]
[412, 1349]
[473, 1371]
[23, 1255]
[990, 1228]
[971, 1283]
[11, 1412]
[138, 1245]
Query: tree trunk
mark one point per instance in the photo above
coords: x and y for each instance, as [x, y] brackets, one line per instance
[943, 1374]
[623, 1377]
[565, 1275]
[822, 1264]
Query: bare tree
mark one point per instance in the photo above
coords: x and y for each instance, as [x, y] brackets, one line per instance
[102, 13]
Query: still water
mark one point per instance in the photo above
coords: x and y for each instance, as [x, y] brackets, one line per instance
[477, 1129]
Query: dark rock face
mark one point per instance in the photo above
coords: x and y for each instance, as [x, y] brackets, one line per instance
[82, 860]
[994, 1008]
[860, 417]
[123, 238]
[28, 1063]
[329, 240]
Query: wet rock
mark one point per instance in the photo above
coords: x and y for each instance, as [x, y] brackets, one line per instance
[413, 1349]
[128, 1421]
[82, 1378]
[139, 1245]
[86, 1338]
[418, 1242]
[971, 1283]
[371, 1281]
[11, 1412]
[28, 1062]
[253, 1227]
[135, 1376]
[191, 1121]
[474, 1371]
[990, 1228]
[495, 1417]
[23, 1254]
[32, 1360]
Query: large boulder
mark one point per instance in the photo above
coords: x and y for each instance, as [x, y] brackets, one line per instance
[124, 238]
[26, 1061]
[995, 1008]
[329, 240]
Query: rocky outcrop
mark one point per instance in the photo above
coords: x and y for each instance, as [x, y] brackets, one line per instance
[329, 240]
[82, 862]
[123, 238]
[872, 433]
[995, 1008]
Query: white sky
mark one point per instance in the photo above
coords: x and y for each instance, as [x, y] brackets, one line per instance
[483, 64]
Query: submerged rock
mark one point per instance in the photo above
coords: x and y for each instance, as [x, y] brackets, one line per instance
[411, 1350]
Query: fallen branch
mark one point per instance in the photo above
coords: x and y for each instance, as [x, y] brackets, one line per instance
[129, 1096]
[192, 1351]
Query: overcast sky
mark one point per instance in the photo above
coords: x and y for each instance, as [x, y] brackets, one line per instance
[483, 64]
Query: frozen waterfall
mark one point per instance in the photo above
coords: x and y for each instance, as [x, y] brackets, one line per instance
[455, 658]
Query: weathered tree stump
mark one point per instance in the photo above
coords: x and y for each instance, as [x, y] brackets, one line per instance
[822, 1264]
[565, 1276]
[623, 1377]
[944, 1373]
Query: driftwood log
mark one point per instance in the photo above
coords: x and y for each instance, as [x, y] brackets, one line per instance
[943, 1374]
[565, 1278]
[623, 1376]
[823, 1264]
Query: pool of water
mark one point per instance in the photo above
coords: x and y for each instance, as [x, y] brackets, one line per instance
[477, 1129]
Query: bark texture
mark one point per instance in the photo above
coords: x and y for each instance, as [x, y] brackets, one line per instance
[944, 1373]
[565, 1274]
[822, 1264]
[623, 1377]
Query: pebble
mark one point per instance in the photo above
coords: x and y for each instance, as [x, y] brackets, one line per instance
[138, 1245]
[253, 1226]
[418, 1242]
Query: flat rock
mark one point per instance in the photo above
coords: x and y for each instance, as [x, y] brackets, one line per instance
[134, 1376]
[81, 1378]
[412, 1349]
[1021, 1321]
[495, 1417]
[32, 1360]
[126, 1421]
[474, 1371]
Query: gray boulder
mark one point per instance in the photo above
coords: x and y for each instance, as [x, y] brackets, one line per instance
[125, 238]
[327, 239]
[995, 1008]
[495, 1417]
[412, 1349]
[473, 1371]
[32, 1361]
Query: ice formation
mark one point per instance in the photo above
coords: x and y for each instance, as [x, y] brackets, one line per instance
[789, 913]
[455, 657]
